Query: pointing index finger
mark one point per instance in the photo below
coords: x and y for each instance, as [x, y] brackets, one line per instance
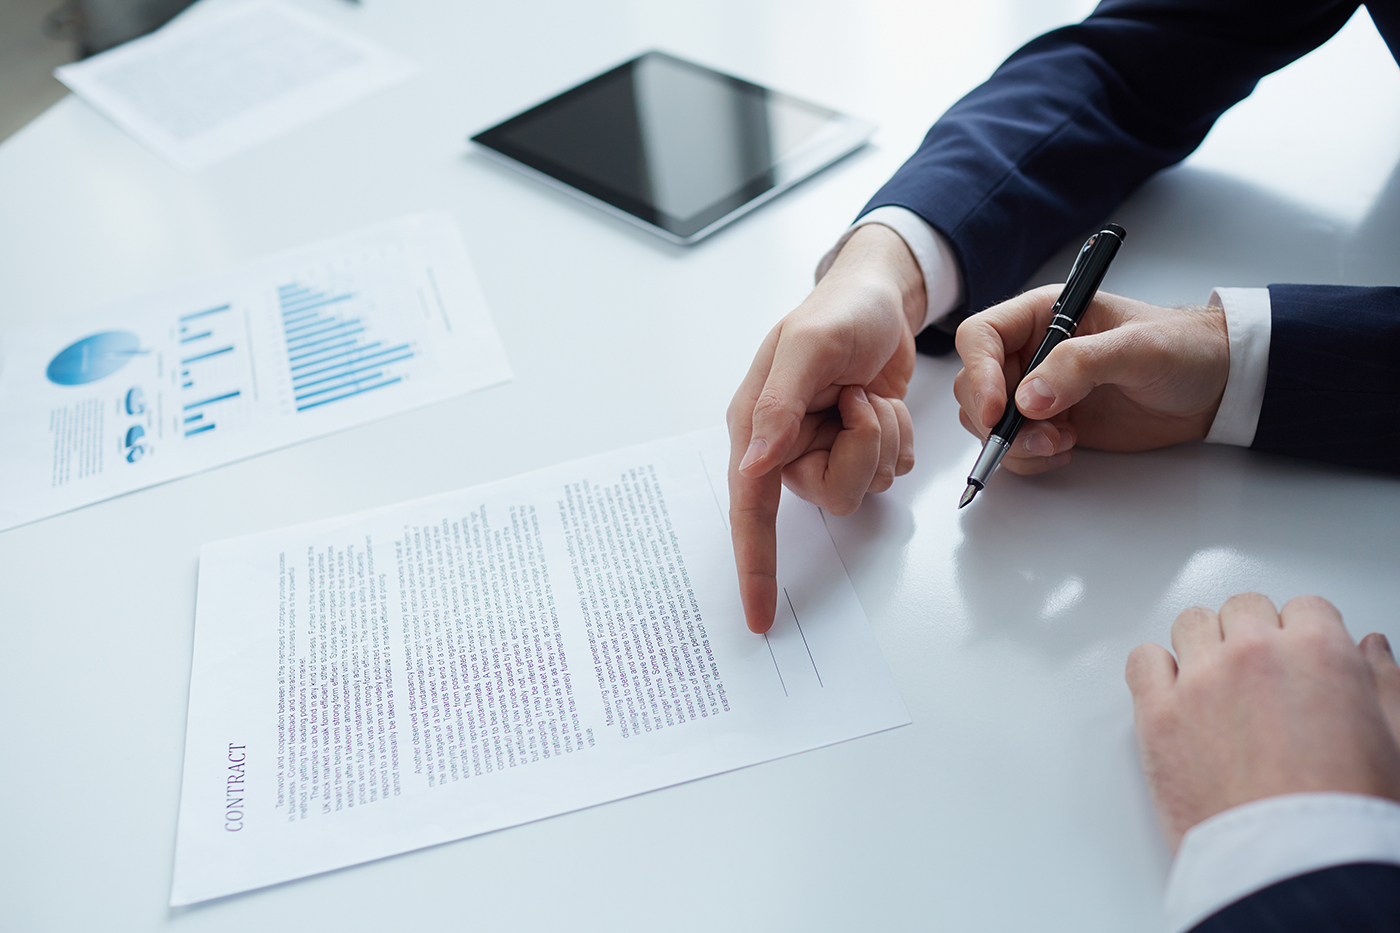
[753, 502]
[753, 516]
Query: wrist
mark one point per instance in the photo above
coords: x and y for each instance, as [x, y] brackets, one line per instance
[876, 254]
[1247, 322]
[1218, 346]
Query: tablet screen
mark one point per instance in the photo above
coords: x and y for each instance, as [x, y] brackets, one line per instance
[671, 142]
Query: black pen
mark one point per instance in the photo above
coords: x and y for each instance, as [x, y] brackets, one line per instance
[1084, 278]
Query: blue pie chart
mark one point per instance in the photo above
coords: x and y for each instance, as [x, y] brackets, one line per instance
[93, 358]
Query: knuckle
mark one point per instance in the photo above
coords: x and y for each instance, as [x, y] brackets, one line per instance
[863, 424]
[1190, 616]
[973, 337]
[966, 329]
[770, 405]
[753, 514]
[1075, 359]
[1138, 672]
[1311, 606]
[1195, 617]
[1247, 598]
[1251, 655]
[963, 342]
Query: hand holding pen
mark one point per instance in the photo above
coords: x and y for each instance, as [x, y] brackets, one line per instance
[1088, 271]
[1135, 377]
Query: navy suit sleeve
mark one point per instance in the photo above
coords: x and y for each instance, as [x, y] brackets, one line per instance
[1361, 898]
[1333, 389]
[1075, 120]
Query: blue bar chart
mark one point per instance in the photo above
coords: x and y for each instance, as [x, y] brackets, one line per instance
[211, 372]
[332, 348]
[255, 358]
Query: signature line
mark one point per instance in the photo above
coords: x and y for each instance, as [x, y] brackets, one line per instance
[804, 639]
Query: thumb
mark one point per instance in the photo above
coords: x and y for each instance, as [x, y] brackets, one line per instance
[1077, 367]
[801, 376]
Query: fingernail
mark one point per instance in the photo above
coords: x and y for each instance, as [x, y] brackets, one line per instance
[858, 392]
[1038, 444]
[1066, 440]
[757, 447]
[1035, 395]
[1385, 643]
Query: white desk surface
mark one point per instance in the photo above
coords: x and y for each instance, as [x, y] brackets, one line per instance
[1014, 801]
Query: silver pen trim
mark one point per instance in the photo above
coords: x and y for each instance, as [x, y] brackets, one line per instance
[987, 461]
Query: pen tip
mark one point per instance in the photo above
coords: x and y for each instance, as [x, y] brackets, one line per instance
[968, 494]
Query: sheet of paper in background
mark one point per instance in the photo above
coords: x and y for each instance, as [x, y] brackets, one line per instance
[206, 87]
[459, 664]
[285, 349]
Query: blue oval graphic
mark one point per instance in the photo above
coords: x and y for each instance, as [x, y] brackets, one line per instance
[93, 358]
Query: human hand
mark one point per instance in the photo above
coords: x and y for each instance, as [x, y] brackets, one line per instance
[1260, 702]
[1135, 376]
[821, 409]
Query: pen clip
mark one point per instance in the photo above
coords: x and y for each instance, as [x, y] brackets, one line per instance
[1083, 250]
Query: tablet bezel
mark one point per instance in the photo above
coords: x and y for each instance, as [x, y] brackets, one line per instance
[839, 137]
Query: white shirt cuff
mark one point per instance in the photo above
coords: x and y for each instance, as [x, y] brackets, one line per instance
[1249, 321]
[942, 278]
[1252, 846]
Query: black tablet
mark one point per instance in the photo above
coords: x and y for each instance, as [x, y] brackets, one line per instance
[674, 146]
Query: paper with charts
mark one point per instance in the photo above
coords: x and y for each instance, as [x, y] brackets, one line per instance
[292, 347]
[471, 661]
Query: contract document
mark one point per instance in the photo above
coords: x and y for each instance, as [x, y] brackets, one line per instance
[206, 87]
[455, 665]
[292, 347]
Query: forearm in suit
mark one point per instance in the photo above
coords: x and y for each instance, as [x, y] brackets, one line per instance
[1333, 388]
[1074, 121]
[1342, 899]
